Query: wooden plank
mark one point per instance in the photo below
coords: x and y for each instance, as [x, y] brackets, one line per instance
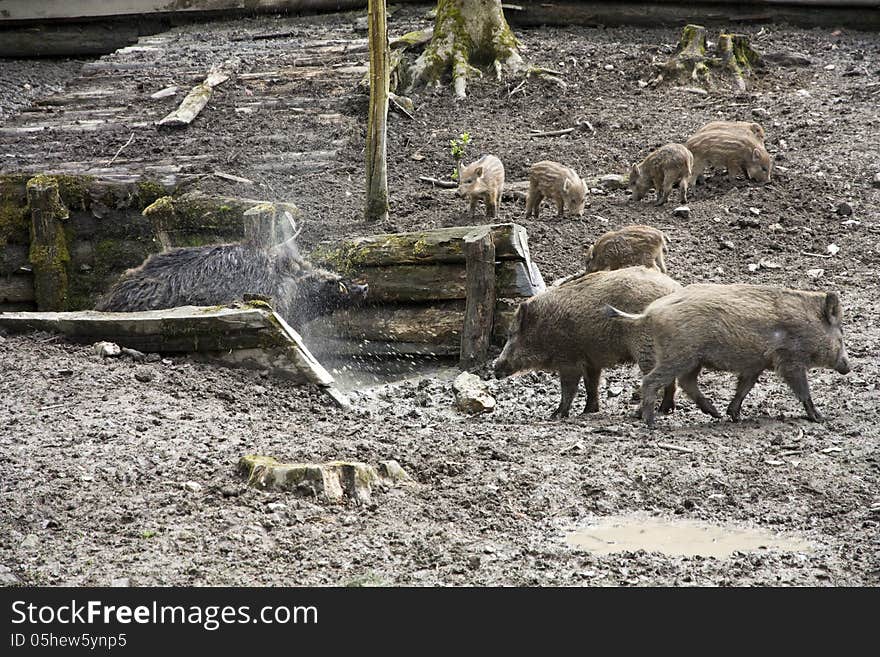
[445, 281]
[198, 97]
[14, 257]
[243, 334]
[479, 316]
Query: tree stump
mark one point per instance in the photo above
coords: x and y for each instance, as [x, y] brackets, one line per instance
[479, 314]
[692, 65]
[377, 125]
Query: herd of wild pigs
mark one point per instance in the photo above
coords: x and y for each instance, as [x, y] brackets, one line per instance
[624, 308]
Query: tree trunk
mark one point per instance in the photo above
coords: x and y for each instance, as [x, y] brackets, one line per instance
[377, 169]
[468, 33]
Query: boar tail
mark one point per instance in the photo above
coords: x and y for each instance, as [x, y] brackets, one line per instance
[611, 311]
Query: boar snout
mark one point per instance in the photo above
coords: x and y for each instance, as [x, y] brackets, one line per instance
[842, 365]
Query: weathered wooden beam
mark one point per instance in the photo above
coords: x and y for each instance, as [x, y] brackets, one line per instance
[14, 259]
[48, 251]
[251, 335]
[376, 207]
[437, 245]
[426, 283]
[479, 315]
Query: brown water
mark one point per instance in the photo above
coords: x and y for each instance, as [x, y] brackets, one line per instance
[685, 538]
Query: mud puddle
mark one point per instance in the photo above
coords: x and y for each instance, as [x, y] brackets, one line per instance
[685, 538]
[360, 374]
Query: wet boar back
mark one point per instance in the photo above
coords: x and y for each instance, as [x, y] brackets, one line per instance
[627, 247]
[750, 127]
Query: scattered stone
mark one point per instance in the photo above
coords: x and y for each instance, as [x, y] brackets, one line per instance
[755, 211]
[613, 181]
[727, 244]
[152, 358]
[786, 59]
[392, 470]
[120, 583]
[609, 67]
[830, 67]
[472, 394]
[474, 560]
[833, 249]
[753, 267]
[134, 354]
[225, 395]
[167, 361]
[144, 375]
[330, 482]
[258, 389]
[107, 349]
[761, 113]
[275, 507]
[748, 222]
[682, 211]
[193, 487]
[803, 93]
[876, 180]
[844, 209]
[775, 227]
[614, 391]
[815, 273]
[769, 264]
[30, 542]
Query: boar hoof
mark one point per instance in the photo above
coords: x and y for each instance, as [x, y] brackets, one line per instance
[591, 408]
[815, 416]
[667, 410]
[558, 415]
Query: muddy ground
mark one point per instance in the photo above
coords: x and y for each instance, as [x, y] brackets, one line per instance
[96, 462]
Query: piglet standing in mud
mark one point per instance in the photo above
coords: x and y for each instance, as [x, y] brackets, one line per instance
[560, 184]
[567, 330]
[736, 150]
[225, 273]
[482, 180]
[664, 168]
[739, 328]
[627, 247]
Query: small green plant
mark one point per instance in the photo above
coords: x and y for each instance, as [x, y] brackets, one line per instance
[148, 533]
[458, 147]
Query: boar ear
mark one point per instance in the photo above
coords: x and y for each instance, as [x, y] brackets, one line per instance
[756, 155]
[635, 172]
[521, 314]
[566, 185]
[478, 172]
[832, 308]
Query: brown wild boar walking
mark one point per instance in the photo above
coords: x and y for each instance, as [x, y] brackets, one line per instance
[482, 180]
[744, 329]
[566, 330]
[664, 168]
[627, 247]
[750, 127]
[738, 151]
[560, 184]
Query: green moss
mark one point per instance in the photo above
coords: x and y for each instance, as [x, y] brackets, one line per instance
[149, 191]
[14, 211]
[345, 259]
[74, 190]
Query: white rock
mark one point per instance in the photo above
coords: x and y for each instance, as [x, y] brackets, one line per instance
[609, 67]
[815, 273]
[276, 506]
[753, 267]
[164, 93]
[769, 264]
[803, 93]
[613, 181]
[193, 486]
[832, 249]
[830, 67]
[30, 542]
[682, 211]
[755, 211]
[107, 349]
[472, 394]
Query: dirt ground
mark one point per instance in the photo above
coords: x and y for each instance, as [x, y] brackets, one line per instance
[96, 463]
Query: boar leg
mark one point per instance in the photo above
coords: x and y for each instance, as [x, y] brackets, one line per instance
[665, 188]
[560, 207]
[569, 380]
[591, 382]
[490, 207]
[699, 165]
[688, 383]
[659, 377]
[683, 192]
[534, 202]
[743, 386]
[796, 378]
[473, 206]
[668, 403]
[660, 262]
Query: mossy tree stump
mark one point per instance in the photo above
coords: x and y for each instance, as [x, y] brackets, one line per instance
[468, 33]
[49, 255]
[734, 59]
